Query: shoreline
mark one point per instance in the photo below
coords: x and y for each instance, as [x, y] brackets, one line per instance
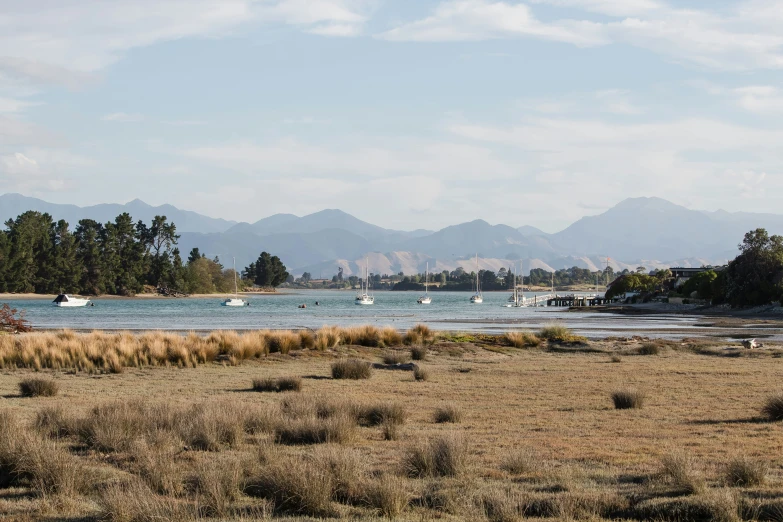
[42, 297]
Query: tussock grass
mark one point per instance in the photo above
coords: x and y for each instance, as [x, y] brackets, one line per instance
[502, 505]
[745, 472]
[522, 462]
[283, 342]
[155, 463]
[38, 387]
[615, 359]
[347, 469]
[351, 369]
[419, 353]
[715, 506]
[396, 357]
[53, 421]
[678, 470]
[390, 430]
[447, 413]
[773, 407]
[135, 502]
[367, 335]
[377, 414]
[419, 335]
[628, 399]
[307, 339]
[391, 337]
[558, 333]
[441, 457]
[649, 349]
[217, 485]
[281, 384]
[338, 429]
[521, 339]
[296, 486]
[421, 374]
[327, 338]
[388, 496]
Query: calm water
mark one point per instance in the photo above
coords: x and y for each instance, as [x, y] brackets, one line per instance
[448, 311]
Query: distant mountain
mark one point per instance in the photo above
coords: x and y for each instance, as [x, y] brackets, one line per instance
[11, 205]
[649, 232]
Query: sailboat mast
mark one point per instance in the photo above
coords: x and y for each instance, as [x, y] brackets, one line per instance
[426, 277]
[236, 288]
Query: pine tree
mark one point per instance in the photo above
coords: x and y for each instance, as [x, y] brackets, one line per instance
[90, 249]
[30, 252]
[66, 266]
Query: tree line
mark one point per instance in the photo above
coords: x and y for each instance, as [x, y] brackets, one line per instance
[120, 257]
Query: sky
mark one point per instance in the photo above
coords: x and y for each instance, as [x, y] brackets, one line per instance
[405, 113]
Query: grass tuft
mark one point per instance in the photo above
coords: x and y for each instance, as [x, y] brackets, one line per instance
[558, 333]
[773, 407]
[396, 357]
[679, 470]
[296, 486]
[649, 349]
[441, 457]
[388, 496]
[351, 369]
[419, 353]
[447, 413]
[521, 462]
[421, 374]
[38, 387]
[521, 339]
[745, 472]
[281, 384]
[628, 399]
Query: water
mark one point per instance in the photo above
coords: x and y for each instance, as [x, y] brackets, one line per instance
[448, 311]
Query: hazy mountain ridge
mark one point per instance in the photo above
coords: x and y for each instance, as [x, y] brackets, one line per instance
[650, 232]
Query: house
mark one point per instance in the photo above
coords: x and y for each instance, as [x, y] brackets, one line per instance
[682, 274]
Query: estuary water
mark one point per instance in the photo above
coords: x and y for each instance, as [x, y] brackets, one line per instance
[448, 311]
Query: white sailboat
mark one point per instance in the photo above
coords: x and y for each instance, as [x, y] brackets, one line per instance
[69, 301]
[235, 301]
[514, 301]
[425, 299]
[364, 297]
[477, 298]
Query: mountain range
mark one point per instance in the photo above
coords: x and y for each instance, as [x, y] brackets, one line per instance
[651, 232]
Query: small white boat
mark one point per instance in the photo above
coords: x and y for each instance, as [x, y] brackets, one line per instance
[477, 298]
[425, 299]
[235, 301]
[68, 301]
[516, 300]
[364, 297]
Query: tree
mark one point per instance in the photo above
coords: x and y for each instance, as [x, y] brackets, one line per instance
[159, 239]
[90, 250]
[754, 277]
[30, 252]
[641, 269]
[702, 284]
[194, 255]
[125, 255]
[270, 271]
[306, 277]
[66, 266]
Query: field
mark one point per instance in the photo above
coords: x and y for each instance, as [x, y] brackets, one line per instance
[489, 428]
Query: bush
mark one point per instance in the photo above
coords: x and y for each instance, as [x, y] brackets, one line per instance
[38, 387]
[388, 496]
[628, 399]
[281, 384]
[649, 349]
[447, 413]
[419, 353]
[442, 457]
[773, 407]
[420, 374]
[396, 358]
[351, 369]
[745, 472]
[558, 333]
[521, 339]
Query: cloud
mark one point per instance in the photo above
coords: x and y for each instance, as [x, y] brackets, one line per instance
[744, 36]
[184, 123]
[762, 99]
[613, 101]
[123, 117]
[38, 171]
[11, 105]
[471, 20]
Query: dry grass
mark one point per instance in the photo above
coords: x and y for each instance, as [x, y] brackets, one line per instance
[522, 339]
[421, 374]
[419, 353]
[441, 457]
[522, 462]
[381, 413]
[277, 385]
[649, 349]
[447, 413]
[396, 357]
[419, 335]
[339, 429]
[679, 470]
[351, 369]
[296, 486]
[558, 333]
[628, 399]
[746, 472]
[773, 407]
[388, 496]
[38, 387]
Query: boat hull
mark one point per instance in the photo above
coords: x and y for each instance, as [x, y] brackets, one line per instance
[73, 303]
[234, 302]
[424, 300]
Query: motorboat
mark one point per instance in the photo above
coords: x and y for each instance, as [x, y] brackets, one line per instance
[69, 301]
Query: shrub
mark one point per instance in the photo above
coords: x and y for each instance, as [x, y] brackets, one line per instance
[419, 353]
[13, 321]
[377, 414]
[420, 374]
[628, 399]
[521, 339]
[38, 387]
[351, 369]
[746, 472]
[337, 429]
[649, 349]
[447, 413]
[560, 334]
[395, 358]
[388, 496]
[678, 469]
[296, 486]
[773, 407]
[442, 457]
[281, 384]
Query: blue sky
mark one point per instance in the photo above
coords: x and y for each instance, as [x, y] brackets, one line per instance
[408, 114]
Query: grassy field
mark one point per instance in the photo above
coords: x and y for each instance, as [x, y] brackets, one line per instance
[515, 427]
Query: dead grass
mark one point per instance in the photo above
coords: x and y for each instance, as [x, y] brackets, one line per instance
[628, 399]
[419, 353]
[773, 407]
[421, 374]
[522, 339]
[558, 333]
[420, 334]
[381, 413]
[277, 385]
[396, 357]
[447, 413]
[746, 472]
[38, 387]
[441, 457]
[351, 369]
[296, 486]
[679, 470]
[387, 495]
[522, 462]
[339, 429]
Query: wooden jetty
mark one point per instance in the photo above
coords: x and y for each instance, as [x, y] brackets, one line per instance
[576, 300]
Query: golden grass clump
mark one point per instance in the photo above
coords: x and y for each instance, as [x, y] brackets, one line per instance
[347, 470]
[396, 357]
[521, 339]
[441, 457]
[296, 486]
[388, 496]
[522, 462]
[678, 470]
[38, 387]
[377, 414]
[280, 384]
[558, 333]
[746, 472]
[327, 338]
[54, 422]
[649, 349]
[391, 337]
[502, 505]
[338, 429]
[283, 342]
[351, 369]
[217, 486]
[628, 399]
[773, 407]
[306, 339]
[419, 334]
[447, 413]
[136, 502]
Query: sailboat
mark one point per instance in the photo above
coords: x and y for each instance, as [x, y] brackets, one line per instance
[477, 298]
[364, 297]
[425, 299]
[515, 300]
[235, 301]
